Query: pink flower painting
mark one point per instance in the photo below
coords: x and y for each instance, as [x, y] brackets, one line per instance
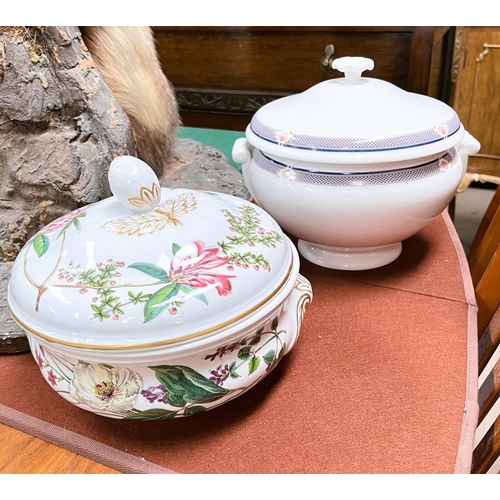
[195, 269]
[65, 220]
[192, 269]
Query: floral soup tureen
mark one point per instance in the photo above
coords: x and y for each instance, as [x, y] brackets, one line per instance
[158, 303]
[353, 166]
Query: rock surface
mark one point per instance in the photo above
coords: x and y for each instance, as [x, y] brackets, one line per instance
[197, 166]
[60, 127]
[12, 337]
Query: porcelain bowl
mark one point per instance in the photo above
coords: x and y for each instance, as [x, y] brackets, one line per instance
[158, 303]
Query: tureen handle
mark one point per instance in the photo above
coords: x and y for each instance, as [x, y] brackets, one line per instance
[242, 153]
[352, 67]
[134, 183]
[466, 147]
[294, 309]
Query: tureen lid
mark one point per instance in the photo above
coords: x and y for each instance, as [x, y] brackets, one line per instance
[354, 119]
[148, 266]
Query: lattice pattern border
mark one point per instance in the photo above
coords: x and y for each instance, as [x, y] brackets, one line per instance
[357, 179]
[290, 139]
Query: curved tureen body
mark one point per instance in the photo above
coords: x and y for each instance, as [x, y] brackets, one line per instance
[158, 303]
[353, 166]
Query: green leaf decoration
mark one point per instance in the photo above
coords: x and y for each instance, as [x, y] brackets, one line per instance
[277, 358]
[274, 324]
[151, 270]
[175, 399]
[232, 370]
[175, 248]
[199, 380]
[77, 224]
[253, 364]
[41, 244]
[269, 357]
[245, 352]
[199, 296]
[184, 385]
[140, 297]
[254, 340]
[153, 414]
[194, 410]
[159, 301]
[70, 223]
[282, 351]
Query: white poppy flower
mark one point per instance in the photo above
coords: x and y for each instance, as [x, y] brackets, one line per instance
[105, 388]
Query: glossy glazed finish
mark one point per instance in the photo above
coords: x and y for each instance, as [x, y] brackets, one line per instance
[354, 166]
[188, 263]
[354, 120]
[158, 303]
[163, 383]
[353, 221]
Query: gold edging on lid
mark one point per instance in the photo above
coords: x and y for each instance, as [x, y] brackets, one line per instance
[159, 343]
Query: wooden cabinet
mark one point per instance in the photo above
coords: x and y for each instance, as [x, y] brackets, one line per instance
[222, 75]
[475, 96]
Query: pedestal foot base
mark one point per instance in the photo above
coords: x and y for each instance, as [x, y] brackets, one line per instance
[349, 259]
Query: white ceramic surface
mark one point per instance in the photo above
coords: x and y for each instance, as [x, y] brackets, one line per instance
[353, 121]
[158, 303]
[354, 166]
[185, 264]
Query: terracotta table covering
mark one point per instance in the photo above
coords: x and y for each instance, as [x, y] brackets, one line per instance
[382, 380]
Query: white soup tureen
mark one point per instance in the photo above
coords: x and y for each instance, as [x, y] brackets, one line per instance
[353, 166]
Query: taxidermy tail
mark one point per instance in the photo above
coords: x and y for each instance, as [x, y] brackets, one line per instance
[127, 58]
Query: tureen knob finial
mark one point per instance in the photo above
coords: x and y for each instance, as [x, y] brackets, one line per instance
[352, 67]
[134, 183]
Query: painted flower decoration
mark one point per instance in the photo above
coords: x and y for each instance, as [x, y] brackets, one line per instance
[442, 130]
[189, 273]
[156, 394]
[63, 221]
[193, 266]
[111, 390]
[283, 137]
[52, 378]
[287, 173]
[443, 164]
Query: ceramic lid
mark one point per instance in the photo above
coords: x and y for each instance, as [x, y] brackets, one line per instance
[354, 119]
[148, 265]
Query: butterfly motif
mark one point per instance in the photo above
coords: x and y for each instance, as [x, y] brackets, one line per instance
[148, 223]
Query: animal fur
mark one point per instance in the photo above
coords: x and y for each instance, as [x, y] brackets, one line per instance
[127, 58]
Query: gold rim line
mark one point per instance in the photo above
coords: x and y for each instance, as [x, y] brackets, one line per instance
[158, 343]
